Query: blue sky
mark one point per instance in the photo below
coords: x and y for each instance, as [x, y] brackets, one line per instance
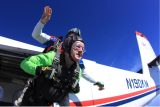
[108, 26]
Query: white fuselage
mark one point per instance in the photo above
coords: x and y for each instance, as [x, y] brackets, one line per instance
[121, 87]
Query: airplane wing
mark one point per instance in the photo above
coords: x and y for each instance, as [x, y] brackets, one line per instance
[12, 77]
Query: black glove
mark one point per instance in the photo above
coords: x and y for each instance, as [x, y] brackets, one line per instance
[100, 85]
[46, 71]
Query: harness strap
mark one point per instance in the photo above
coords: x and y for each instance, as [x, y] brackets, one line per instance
[56, 60]
[77, 73]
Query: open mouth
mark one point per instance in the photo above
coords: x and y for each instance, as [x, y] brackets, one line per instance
[79, 54]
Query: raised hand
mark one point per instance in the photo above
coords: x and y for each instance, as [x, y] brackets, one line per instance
[47, 12]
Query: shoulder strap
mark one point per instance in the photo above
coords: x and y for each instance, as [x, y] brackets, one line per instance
[55, 64]
[56, 60]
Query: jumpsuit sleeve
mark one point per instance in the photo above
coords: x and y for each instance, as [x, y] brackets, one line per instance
[38, 35]
[44, 59]
[87, 77]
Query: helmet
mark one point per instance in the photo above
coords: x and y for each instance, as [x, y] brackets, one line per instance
[74, 30]
[69, 40]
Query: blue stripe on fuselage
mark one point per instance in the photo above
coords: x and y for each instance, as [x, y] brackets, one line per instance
[130, 99]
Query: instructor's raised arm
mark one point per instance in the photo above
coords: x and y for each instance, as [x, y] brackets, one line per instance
[37, 33]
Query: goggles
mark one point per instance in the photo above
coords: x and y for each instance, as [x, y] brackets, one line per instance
[79, 48]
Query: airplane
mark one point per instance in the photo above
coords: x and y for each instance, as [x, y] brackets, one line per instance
[122, 87]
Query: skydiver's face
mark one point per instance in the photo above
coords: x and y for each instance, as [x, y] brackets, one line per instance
[77, 50]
